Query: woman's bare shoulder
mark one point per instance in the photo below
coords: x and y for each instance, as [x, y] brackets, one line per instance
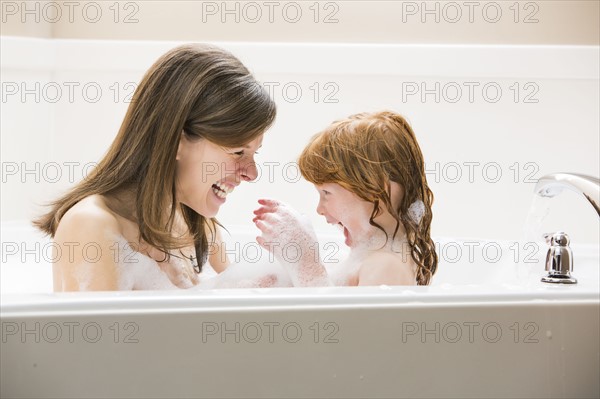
[86, 237]
[90, 217]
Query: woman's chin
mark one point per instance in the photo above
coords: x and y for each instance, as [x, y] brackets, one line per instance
[209, 209]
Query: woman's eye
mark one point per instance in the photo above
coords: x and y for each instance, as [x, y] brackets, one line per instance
[241, 153]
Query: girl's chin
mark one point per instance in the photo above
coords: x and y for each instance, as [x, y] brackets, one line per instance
[347, 238]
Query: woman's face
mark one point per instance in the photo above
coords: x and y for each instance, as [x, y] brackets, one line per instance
[207, 173]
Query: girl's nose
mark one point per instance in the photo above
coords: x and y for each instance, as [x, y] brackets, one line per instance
[249, 172]
[320, 209]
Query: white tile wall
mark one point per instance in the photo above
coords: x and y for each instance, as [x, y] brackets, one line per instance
[559, 133]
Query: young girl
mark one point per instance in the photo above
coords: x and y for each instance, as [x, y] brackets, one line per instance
[370, 175]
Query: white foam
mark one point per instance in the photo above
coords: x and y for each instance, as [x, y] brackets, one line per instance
[346, 273]
[416, 210]
[246, 276]
[343, 273]
[137, 271]
[294, 243]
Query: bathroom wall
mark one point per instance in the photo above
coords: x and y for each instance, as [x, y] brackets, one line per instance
[481, 22]
[499, 94]
[490, 120]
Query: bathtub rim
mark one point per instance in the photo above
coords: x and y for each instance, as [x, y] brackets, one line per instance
[288, 299]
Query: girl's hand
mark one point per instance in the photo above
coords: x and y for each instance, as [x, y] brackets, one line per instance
[292, 240]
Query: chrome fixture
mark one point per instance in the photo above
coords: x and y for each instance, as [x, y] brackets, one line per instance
[559, 260]
[588, 186]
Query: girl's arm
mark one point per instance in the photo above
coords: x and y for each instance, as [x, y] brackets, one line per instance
[293, 242]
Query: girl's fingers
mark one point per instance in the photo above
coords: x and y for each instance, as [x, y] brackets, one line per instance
[267, 219]
[261, 242]
[261, 210]
[270, 219]
[269, 202]
[263, 227]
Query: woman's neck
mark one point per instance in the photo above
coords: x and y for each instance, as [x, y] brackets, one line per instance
[122, 202]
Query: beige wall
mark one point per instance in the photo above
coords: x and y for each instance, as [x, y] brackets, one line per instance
[529, 22]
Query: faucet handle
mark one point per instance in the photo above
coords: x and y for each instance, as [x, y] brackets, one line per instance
[559, 259]
[547, 237]
[559, 238]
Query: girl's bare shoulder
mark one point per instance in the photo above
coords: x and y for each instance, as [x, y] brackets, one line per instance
[387, 268]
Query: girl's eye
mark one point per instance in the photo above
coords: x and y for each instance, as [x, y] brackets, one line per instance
[326, 192]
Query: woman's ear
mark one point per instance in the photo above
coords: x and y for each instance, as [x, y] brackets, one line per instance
[182, 140]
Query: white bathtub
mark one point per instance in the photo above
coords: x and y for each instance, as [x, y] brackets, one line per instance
[482, 329]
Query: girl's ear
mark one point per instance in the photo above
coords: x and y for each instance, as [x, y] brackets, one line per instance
[396, 194]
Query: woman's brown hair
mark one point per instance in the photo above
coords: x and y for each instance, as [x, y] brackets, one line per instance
[363, 153]
[200, 90]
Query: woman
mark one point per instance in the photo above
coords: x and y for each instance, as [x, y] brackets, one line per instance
[145, 217]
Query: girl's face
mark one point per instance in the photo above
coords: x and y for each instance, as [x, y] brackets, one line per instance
[207, 173]
[342, 207]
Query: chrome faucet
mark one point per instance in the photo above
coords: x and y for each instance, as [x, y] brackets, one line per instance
[559, 260]
[588, 186]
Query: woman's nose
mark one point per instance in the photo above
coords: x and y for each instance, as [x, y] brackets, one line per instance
[249, 171]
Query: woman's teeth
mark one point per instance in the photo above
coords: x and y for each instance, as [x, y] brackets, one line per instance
[221, 190]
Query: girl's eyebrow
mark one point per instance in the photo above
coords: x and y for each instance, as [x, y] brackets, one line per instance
[248, 147]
